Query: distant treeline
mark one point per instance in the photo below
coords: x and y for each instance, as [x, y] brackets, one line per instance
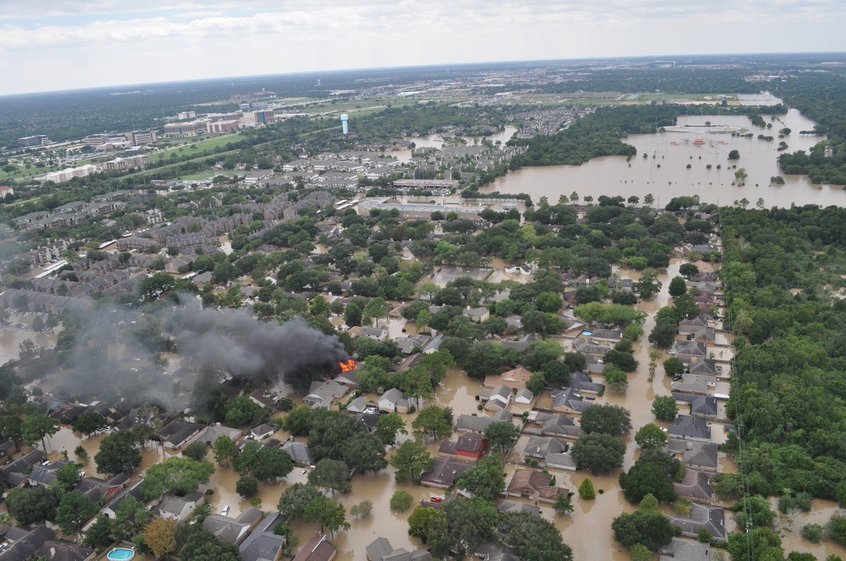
[822, 97]
[601, 133]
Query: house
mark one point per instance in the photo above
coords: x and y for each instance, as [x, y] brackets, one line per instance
[695, 486]
[704, 366]
[262, 431]
[477, 315]
[478, 424]
[317, 548]
[24, 542]
[359, 404]
[60, 550]
[298, 452]
[553, 452]
[690, 326]
[232, 530]
[695, 384]
[685, 550]
[180, 508]
[614, 335]
[98, 490]
[696, 455]
[264, 399]
[178, 433]
[208, 435]
[133, 491]
[569, 400]
[686, 351]
[690, 428]
[407, 345]
[710, 518]
[506, 506]
[381, 549]
[322, 394]
[375, 333]
[392, 401]
[533, 485]
[495, 399]
[468, 447]
[491, 552]
[16, 472]
[524, 396]
[704, 406]
[444, 473]
[516, 379]
[552, 424]
[262, 544]
[46, 474]
[583, 384]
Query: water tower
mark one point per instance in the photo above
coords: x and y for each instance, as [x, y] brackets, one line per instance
[344, 126]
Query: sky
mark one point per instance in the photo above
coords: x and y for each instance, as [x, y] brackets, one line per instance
[66, 44]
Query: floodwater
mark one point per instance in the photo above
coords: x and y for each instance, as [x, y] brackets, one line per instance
[11, 338]
[66, 440]
[664, 172]
[437, 141]
[789, 526]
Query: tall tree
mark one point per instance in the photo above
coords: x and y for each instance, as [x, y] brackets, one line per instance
[37, 427]
[502, 436]
[331, 474]
[118, 453]
[75, 509]
[160, 536]
[486, 479]
[433, 422]
[411, 461]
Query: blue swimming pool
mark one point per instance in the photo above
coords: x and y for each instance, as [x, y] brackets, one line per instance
[121, 554]
[587, 333]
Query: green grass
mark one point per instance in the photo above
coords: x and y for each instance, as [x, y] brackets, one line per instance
[194, 147]
[209, 174]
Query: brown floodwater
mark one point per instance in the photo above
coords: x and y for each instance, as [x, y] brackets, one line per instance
[437, 141]
[12, 337]
[664, 172]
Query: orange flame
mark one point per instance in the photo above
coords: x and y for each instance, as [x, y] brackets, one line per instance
[348, 366]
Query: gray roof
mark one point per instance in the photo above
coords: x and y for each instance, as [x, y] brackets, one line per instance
[711, 518]
[381, 549]
[262, 544]
[231, 530]
[26, 541]
[687, 550]
[695, 485]
[582, 382]
[513, 506]
[541, 446]
[475, 423]
[704, 405]
[299, 452]
[570, 398]
[702, 454]
[686, 426]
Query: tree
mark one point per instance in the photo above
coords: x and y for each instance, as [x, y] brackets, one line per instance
[548, 302]
[37, 427]
[75, 509]
[753, 511]
[265, 463]
[295, 500]
[376, 309]
[677, 287]
[247, 486]
[225, 450]
[486, 479]
[388, 427]
[664, 408]
[760, 543]
[99, 535]
[734, 155]
[563, 504]
[203, 546]
[352, 315]
[197, 451]
[32, 505]
[616, 379]
[837, 529]
[118, 453]
[640, 552]
[673, 367]
[411, 461]
[130, 519]
[470, 522]
[646, 527]
[331, 474]
[68, 476]
[431, 527]
[338, 436]
[648, 285]
[586, 490]
[175, 475]
[532, 538]
[607, 419]
[401, 501]
[433, 422]
[502, 436]
[663, 334]
[362, 509]
[243, 411]
[647, 478]
[160, 536]
[89, 422]
[600, 453]
[298, 421]
[740, 178]
[650, 436]
[812, 532]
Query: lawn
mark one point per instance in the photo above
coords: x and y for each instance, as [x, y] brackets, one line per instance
[192, 148]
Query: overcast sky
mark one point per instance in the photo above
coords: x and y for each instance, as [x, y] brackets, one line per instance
[64, 44]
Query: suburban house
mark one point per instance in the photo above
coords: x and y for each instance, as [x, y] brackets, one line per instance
[262, 431]
[552, 424]
[381, 549]
[686, 550]
[492, 552]
[516, 379]
[507, 506]
[7, 450]
[690, 428]
[711, 518]
[478, 424]
[111, 508]
[569, 400]
[208, 435]
[322, 394]
[24, 542]
[298, 452]
[524, 396]
[551, 452]
[477, 315]
[444, 473]
[533, 485]
[700, 456]
[495, 399]
[695, 486]
[98, 490]
[582, 383]
[694, 384]
[262, 544]
[468, 447]
[392, 401]
[178, 433]
[180, 508]
[45, 474]
[317, 548]
[232, 530]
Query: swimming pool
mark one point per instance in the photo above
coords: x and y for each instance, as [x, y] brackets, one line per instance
[121, 554]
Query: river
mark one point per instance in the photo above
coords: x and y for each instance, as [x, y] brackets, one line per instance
[664, 172]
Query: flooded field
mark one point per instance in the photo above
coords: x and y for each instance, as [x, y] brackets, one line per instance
[788, 526]
[665, 174]
[437, 141]
[12, 337]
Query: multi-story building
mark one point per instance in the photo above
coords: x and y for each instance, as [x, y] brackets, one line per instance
[189, 128]
[217, 127]
[34, 140]
[144, 138]
[257, 118]
[123, 164]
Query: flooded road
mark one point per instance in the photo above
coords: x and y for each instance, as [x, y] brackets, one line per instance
[664, 172]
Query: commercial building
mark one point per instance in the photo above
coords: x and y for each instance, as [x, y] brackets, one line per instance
[122, 164]
[217, 127]
[144, 138]
[67, 174]
[34, 140]
[189, 128]
[257, 118]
